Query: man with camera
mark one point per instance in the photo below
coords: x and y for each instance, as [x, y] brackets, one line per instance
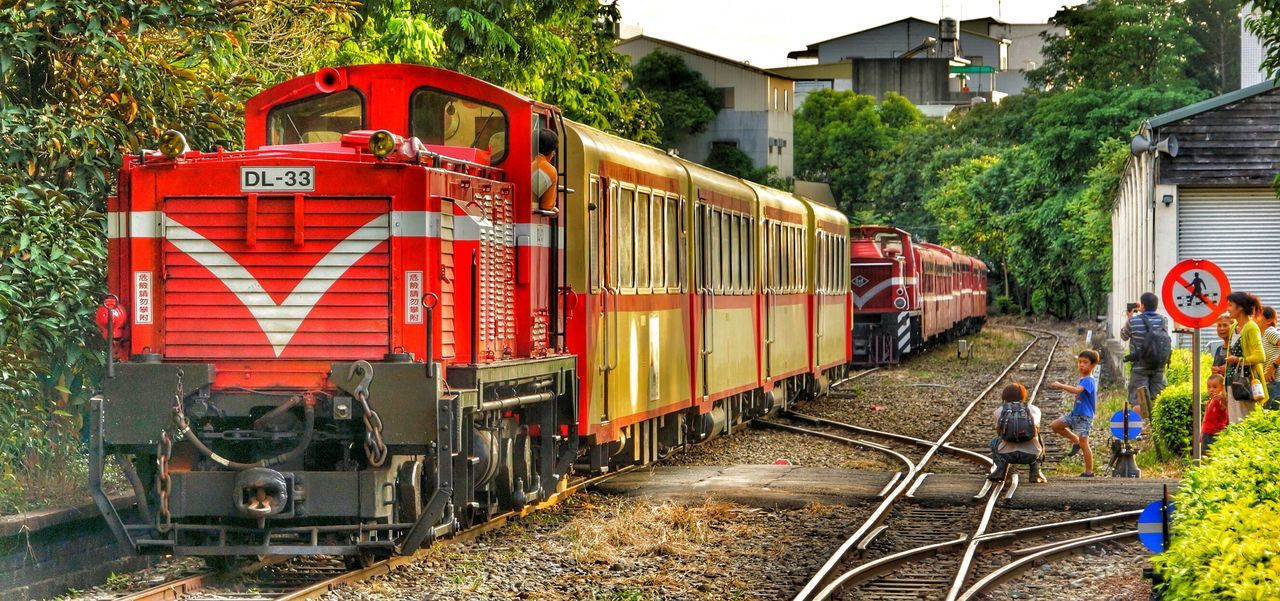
[1149, 347]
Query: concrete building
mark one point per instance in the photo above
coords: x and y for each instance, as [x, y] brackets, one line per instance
[758, 105]
[988, 61]
[1026, 42]
[836, 76]
[1213, 200]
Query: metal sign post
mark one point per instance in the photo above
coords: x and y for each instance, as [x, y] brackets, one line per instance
[1195, 293]
[1195, 396]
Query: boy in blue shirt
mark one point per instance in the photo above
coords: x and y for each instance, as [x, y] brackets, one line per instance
[1075, 426]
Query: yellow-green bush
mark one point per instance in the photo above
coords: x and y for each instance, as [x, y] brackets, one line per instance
[1171, 421]
[1226, 528]
[1179, 370]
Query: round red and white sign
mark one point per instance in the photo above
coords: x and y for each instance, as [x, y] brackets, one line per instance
[1195, 292]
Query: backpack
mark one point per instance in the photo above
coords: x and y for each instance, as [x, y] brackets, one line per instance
[1015, 423]
[1157, 346]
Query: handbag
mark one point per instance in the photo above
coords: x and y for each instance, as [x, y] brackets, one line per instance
[1241, 383]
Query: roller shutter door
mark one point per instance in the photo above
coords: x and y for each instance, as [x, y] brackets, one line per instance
[1237, 228]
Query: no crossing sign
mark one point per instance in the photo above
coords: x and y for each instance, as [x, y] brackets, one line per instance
[1195, 293]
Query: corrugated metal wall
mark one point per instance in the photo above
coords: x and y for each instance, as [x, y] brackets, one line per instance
[1237, 228]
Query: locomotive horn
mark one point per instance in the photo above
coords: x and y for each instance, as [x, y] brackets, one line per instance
[330, 80]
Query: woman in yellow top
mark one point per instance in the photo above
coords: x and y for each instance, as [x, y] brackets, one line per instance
[1245, 351]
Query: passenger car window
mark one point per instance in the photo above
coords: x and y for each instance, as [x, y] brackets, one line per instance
[316, 119]
[443, 119]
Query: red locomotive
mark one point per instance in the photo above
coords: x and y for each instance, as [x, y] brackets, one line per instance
[908, 294]
[357, 334]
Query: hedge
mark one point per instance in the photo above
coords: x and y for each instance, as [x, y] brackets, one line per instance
[1179, 370]
[1226, 528]
[1171, 421]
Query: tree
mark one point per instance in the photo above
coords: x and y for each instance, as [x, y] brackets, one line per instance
[1111, 43]
[557, 51]
[896, 112]
[686, 102]
[1264, 22]
[1215, 25]
[838, 138]
[733, 161]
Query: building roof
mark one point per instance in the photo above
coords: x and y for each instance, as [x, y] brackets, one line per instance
[704, 54]
[811, 51]
[1216, 102]
[837, 70]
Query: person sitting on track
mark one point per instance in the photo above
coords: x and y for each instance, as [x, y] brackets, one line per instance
[1017, 438]
[1075, 425]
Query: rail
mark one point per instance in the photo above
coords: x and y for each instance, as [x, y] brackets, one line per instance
[825, 582]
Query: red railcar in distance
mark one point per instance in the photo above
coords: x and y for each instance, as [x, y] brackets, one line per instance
[908, 294]
[886, 299]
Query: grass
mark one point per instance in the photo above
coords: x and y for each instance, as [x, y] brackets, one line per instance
[1111, 400]
[31, 485]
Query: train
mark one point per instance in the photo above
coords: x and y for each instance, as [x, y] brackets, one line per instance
[361, 334]
[908, 295]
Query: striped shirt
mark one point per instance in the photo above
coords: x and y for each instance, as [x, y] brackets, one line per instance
[1271, 344]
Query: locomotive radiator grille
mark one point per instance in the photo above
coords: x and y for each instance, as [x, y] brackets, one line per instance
[497, 286]
[241, 280]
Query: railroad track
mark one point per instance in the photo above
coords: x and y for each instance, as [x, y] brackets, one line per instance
[293, 579]
[882, 558]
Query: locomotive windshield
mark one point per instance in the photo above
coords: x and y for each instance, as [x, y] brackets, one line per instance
[443, 119]
[316, 119]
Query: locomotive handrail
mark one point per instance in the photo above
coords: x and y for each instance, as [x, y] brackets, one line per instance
[611, 340]
[710, 347]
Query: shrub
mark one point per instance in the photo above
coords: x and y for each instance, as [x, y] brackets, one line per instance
[1171, 421]
[1179, 370]
[1227, 520]
[1005, 305]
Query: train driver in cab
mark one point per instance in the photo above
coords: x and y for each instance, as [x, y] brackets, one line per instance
[544, 173]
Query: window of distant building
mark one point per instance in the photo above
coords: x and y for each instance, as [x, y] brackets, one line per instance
[775, 99]
[726, 97]
[786, 100]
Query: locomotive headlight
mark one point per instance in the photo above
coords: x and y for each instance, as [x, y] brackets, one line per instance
[173, 144]
[382, 143]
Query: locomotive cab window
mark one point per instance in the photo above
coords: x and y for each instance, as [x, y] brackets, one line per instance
[316, 119]
[443, 119]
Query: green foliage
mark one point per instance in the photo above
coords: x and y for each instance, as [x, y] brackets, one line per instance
[687, 104]
[1264, 22]
[1179, 369]
[1215, 26]
[1171, 421]
[1118, 43]
[896, 112]
[1005, 305]
[839, 137]
[731, 160]
[557, 51]
[1227, 519]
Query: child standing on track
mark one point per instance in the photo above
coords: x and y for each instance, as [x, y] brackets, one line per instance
[1215, 415]
[1075, 426]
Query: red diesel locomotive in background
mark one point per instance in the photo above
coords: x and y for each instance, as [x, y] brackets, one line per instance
[908, 294]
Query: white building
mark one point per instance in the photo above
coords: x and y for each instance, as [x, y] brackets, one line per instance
[1213, 200]
[758, 105]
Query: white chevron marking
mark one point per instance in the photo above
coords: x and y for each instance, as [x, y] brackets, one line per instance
[279, 321]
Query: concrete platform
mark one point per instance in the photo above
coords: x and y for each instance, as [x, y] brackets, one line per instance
[785, 486]
[769, 486]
